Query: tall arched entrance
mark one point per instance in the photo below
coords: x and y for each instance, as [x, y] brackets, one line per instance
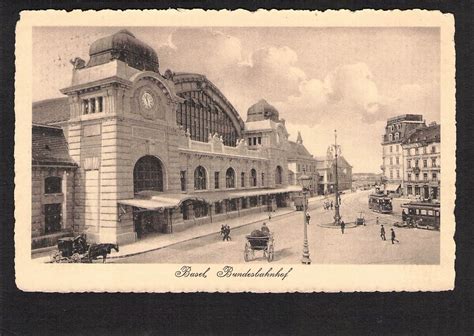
[148, 176]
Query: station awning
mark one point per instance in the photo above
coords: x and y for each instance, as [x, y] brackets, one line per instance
[159, 201]
[392, 187]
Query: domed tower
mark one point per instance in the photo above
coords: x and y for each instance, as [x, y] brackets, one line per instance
[123, 46]
[262, 110]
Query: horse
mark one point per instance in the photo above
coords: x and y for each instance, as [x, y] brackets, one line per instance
[100, 250]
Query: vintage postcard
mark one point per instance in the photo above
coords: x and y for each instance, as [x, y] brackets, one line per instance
[268, 151]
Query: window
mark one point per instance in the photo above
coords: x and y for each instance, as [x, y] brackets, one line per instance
[433, 149]
[409, 177]
[200, 209]
[253, 178]
[278, 175]
[424, 150]
[298, 168]
[52, 218]
[397, 148]
[416, 163]
[417, 190]
[242, 179]
[92, 105]
[391, 174]
[433, 162]
[391, 149]
[417, 177]
[410, 190]
[230, 178]
[216, 180]
[250, 141]
[425, 176]
[409, 163]
[52, 185]
[182, 178]
[416, 150]
[397, 135]
[425, 163]
[200, 178]
[148, 174]
[259, 140]
[398, 173]
[391, 161]
[231, 205]
[397, 160]
[218, 208]
[263, 179]
[434, 177]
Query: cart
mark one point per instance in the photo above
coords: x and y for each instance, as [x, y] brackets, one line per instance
[361, 219]
[259, 243]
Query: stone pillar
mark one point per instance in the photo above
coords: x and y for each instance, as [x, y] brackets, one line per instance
[65, 215]
[89, 106]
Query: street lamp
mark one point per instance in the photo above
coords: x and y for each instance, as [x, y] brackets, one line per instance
[336, 151]
[305, 181]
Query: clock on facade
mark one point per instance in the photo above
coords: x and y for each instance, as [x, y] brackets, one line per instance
[147, 102]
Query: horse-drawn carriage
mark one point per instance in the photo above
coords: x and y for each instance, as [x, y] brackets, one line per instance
[259, 242]
[76, 250]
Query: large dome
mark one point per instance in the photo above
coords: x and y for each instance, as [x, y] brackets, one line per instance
[262, 110]
[123, 46]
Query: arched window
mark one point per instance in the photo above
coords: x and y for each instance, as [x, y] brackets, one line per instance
[148, 174]
[230, 178]
[52, 185]
[242, 179]
[253, 178]
[278, 175]
[200, 178]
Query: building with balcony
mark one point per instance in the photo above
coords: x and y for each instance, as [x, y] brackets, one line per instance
[422, 153]
[396, 131]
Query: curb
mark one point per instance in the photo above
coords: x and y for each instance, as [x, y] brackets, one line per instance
[189, 239]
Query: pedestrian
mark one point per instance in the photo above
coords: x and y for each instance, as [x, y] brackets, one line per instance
[377, 221]
[394, 239]
[227, 233]
[331, 205]
[308, 218]
[343, 226]
[269, 216]
[382, 232]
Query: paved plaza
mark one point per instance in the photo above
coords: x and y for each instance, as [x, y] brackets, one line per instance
[358, 245]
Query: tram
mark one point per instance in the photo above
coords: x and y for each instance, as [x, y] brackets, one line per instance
[423, 215]
[380, 203]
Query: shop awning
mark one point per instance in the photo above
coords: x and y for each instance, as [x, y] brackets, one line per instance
[392, 187]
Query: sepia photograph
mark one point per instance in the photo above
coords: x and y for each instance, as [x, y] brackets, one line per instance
[239, 149]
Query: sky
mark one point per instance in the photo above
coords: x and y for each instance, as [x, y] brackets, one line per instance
[320, 79]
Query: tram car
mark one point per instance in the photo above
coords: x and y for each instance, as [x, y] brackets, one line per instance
[380, 203]
[422, 215]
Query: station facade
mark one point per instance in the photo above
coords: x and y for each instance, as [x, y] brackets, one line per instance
[159, 153]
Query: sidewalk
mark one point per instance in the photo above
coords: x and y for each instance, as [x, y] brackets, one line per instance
[159, 241]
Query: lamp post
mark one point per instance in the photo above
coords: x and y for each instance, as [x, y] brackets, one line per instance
[305, 181]
[336, 150]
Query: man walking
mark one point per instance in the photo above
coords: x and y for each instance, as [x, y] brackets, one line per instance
[343, 226]
[308, 218]
[331, 205]
[394, 239]
[382, 232]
